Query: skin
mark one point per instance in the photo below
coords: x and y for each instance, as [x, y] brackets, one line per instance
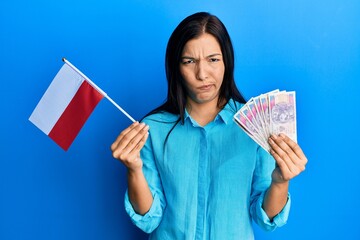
[202, 68]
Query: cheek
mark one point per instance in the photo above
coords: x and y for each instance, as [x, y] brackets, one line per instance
[220, 76]
[183, 73]
[186, 75]
[219, 71]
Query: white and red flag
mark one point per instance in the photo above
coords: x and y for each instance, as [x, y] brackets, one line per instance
[66, 105]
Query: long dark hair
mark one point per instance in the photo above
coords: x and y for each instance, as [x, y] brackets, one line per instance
[192, 27]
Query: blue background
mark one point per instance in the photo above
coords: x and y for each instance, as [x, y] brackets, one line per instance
[312, 47]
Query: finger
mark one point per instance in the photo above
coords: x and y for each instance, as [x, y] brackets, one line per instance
[285, 172]
[131, 158]
[138, 138]
[295, 147]
[129, 139]
[136, 149]
[283, 153]
[283, 145]
[301, 159]
[122, 134]
[128, 135]
[124, 138]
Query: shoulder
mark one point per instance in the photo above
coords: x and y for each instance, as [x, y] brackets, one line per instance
[161, 118]
[161, 124]
[233, 106]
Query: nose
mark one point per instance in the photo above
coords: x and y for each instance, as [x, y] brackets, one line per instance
[201, 71]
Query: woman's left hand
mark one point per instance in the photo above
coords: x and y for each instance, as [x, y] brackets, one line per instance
[290, 159]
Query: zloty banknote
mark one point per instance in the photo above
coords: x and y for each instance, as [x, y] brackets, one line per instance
[264, 103]
[249, 128]
[272, 112]
[260, 111]
[282, 108]
[253, 126]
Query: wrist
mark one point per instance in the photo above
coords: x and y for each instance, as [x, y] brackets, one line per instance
[134, 172]
[280, 185]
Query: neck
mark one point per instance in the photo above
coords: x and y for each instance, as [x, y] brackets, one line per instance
[203, 113]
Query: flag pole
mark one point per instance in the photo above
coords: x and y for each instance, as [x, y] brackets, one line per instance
[98, 89]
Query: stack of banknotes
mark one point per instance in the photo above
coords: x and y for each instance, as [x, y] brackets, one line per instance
[270, 113]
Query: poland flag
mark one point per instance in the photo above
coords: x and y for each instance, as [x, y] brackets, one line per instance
[65, 106]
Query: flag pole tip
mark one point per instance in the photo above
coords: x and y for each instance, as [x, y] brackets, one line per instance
[63, 59]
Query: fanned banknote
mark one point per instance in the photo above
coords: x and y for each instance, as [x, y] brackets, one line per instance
[270, 113]
[282, 110]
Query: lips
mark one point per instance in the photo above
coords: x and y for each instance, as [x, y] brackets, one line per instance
[205, 87]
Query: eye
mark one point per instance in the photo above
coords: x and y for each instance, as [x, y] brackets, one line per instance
[214, 59]
[187, 61]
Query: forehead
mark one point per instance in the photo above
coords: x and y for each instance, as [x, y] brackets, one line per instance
[205, 43]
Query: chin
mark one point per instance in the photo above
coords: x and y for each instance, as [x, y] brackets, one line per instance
[206, 100]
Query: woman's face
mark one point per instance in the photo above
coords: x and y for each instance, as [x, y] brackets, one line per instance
[202, 68]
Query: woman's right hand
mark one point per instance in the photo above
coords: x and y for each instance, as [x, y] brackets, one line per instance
[127, 148]
[128, 144]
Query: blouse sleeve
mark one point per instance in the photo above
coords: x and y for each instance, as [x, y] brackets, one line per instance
[151, 220]
[265, 165]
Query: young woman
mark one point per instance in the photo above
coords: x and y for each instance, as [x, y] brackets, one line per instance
[197, 175]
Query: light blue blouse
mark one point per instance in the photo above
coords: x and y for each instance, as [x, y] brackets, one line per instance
[207, 182]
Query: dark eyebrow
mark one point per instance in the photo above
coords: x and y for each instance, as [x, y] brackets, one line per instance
[214, 55]
[210, 56]
[187, 57]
